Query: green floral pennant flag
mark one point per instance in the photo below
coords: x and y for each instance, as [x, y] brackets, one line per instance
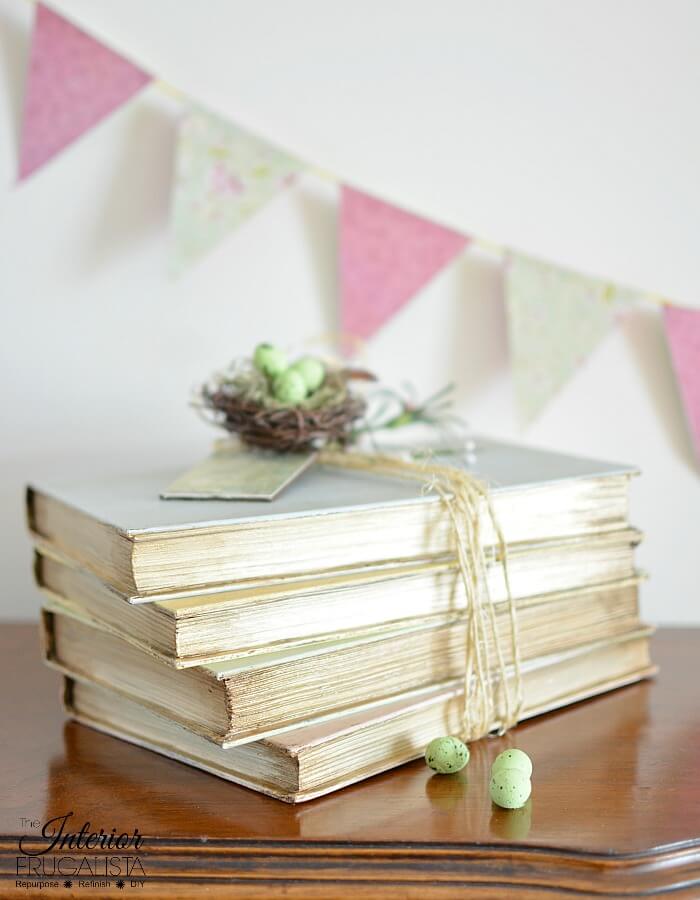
[556, 317]
[222, 176]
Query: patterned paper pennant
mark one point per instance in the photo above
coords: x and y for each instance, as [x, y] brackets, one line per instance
[555, 319]
[73, 82]
[386, 256]
[222, 176]
[683, 336]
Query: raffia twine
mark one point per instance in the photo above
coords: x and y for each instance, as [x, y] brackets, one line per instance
[464, 498]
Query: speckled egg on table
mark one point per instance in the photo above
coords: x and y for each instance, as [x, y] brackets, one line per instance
[510, 788]
[513, 759]
[446, 755]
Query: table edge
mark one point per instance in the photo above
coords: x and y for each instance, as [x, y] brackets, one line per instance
[178, 862]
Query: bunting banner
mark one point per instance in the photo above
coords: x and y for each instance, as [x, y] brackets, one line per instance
[386, 255]
[556, 317]
[683, 336]
[222, 176]
[73, 82]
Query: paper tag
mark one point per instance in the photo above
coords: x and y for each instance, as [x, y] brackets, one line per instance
[234, 472]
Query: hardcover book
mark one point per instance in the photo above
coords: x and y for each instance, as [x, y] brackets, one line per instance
[308, 762]
[191, 628]
[328, 519]
[239, 700]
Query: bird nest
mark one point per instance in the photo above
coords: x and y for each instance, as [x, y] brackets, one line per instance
[242, 403]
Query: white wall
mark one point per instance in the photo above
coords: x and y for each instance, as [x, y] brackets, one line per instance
[566, 129]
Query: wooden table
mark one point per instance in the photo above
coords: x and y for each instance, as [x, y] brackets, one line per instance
[615, 809]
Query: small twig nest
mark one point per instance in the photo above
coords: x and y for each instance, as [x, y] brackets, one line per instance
[242, 404]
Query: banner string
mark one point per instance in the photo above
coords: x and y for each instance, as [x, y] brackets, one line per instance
[487, 247]
[484, 246]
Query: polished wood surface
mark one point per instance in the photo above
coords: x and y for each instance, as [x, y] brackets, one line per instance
[615, 809]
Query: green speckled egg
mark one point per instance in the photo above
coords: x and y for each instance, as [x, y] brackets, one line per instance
[269, 359]
[513, 759]
[289, 388]
[312, 371]
[510, 788]
[446, 755]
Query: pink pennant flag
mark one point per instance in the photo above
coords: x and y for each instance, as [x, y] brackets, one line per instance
[73, 82]
[683, 336]
[386, 256]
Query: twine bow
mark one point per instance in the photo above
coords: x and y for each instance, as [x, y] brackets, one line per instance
[466, 499]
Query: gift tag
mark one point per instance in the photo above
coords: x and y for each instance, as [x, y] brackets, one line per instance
[235, 472]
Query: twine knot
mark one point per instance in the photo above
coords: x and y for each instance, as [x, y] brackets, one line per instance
[466, 500]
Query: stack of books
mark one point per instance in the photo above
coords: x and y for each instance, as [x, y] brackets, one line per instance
[299, 645]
